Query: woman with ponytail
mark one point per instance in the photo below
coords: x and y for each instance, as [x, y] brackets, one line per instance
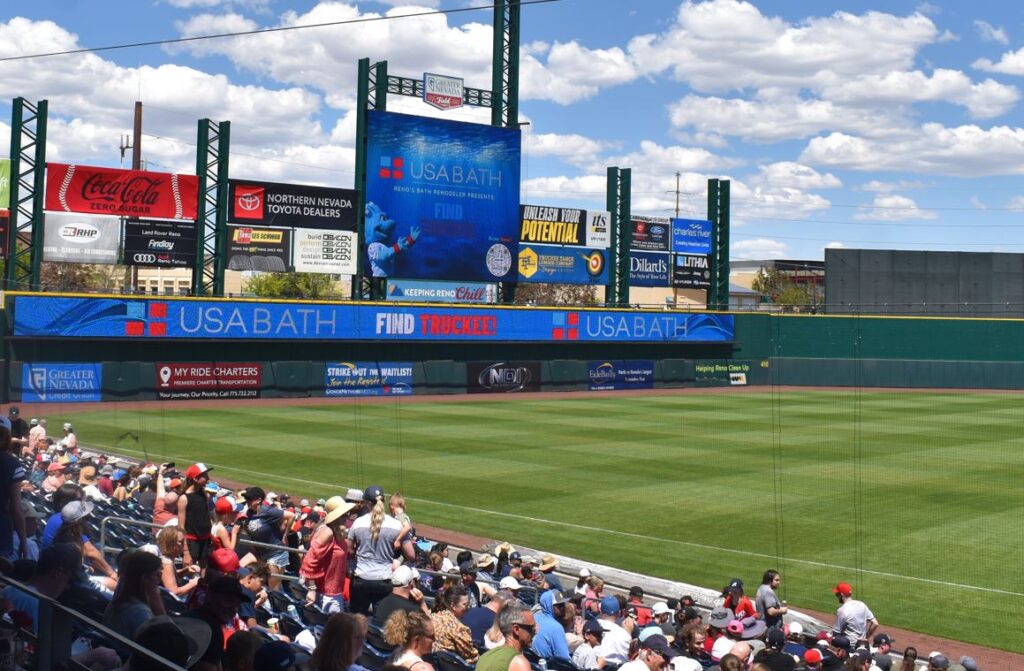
[374, 535]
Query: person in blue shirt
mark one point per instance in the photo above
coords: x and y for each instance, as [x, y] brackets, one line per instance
[550, 642]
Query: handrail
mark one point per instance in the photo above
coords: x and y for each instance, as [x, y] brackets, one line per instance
[151, 525]
[54, 627]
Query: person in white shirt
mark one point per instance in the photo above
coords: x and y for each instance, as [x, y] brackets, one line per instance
[655, 655]
[614, 648]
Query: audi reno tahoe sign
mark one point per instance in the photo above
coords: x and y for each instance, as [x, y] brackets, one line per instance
[162, 244]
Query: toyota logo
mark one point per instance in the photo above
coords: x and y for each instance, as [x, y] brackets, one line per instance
[144, 258]
[248, 202]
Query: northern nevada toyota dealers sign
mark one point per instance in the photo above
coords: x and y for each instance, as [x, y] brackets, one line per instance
[291, 205]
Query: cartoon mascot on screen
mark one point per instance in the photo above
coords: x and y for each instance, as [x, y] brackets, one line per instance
[380, 230]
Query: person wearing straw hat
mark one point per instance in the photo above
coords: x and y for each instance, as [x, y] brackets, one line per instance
[87, 481]
[325, 565]
[548, 564]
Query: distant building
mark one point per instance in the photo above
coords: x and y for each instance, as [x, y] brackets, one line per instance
[805, 273]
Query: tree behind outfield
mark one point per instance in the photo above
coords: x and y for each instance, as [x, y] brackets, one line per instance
[292, 285]
[557, 294]
[780, 289]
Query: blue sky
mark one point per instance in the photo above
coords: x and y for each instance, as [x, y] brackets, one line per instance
[855, 124]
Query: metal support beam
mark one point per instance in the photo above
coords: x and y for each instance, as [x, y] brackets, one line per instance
[505, 65]
[618, 204]
[718, 213]
[371, 94]
[28, 179]
[212, 149]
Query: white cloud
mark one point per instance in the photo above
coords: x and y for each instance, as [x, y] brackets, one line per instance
[977, 203]
[574, 149]
[757, 249]
[728, 44]
[1016, 203]
[835, 244]
[963, 151]
[794, 175]
[255, 5]
[1011, 63]
[893, 208]
[878, 186]
[773, 120]
[989, 33]
[985, 99]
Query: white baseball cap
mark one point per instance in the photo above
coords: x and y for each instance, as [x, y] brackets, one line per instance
[584, 572]
[660, 608]
[508, 582]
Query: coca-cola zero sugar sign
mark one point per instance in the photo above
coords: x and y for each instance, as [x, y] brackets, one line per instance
[127, 193]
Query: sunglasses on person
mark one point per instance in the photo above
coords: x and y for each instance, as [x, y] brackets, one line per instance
[532, 628]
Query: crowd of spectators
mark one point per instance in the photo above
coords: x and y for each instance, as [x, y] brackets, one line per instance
[215, 578]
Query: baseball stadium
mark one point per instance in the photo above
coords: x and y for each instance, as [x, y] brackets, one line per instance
[183, 452]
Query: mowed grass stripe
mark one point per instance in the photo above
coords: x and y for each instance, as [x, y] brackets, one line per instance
[939, 477]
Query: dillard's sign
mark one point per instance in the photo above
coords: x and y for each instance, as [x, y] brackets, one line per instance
[127, 193]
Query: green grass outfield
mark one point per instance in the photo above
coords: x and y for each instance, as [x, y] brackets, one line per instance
[915, 498]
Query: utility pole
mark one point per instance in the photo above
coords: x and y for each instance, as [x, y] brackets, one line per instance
[133, 274]
[677, 194]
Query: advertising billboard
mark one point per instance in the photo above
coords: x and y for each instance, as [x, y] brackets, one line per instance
[76, 238]
[368, 378]
[85, 317]
[317, 251]
[691, 271]
[161, 244]
[5, 183]
[5, 226]
[254, 203]
[651, 234]
[261, 249]
[124, 193]
[616, 375]
[562, 265]
[442, 292]
[442, 199]
[648, 269]
[61, 382]
[691, 236]
[503, 377]
[443, 92]
[564, 226]
[198, 380]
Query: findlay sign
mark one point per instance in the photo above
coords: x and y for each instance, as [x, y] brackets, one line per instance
[74, 317]
[160, 244]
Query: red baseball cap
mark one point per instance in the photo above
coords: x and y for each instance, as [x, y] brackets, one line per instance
[54, 467]
[813, 656]
[843, 588]
[224, 560]
[195, 470]
[223, 506]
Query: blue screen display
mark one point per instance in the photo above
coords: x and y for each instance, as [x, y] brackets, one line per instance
[71, 316]
[442, 199]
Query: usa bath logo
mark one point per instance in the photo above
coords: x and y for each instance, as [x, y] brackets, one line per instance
[392, 167]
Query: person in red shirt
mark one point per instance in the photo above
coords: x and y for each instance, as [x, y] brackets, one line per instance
[636, 602]
[737, 601]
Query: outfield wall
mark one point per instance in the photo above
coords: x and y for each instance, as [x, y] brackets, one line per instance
[118, 348]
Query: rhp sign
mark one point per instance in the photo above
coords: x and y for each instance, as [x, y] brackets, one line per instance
[444, 93]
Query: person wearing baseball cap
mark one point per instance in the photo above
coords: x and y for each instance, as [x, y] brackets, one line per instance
[853, 618]
[224, 595]
[585, 654]
[70, 440]
[614, 648]
[881, 644]
[813, 659]
[655, 654]
[194, 516]
[325, 565]
[373, 536]
[278, 656]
